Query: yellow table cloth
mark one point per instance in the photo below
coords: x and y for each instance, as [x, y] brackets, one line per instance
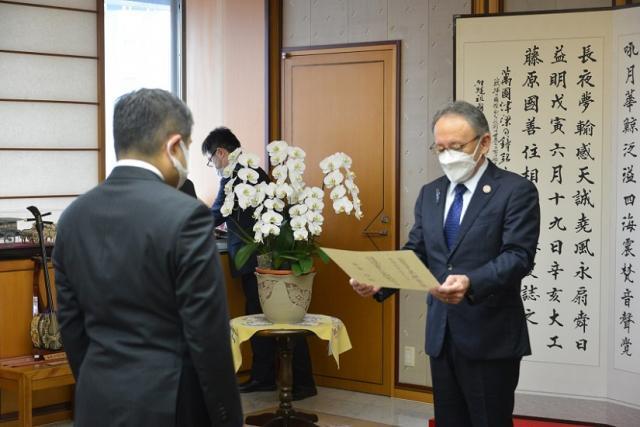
[325, 327]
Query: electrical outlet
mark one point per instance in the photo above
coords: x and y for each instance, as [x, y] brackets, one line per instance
[409, 356]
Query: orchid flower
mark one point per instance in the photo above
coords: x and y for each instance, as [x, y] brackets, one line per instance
[248, 175]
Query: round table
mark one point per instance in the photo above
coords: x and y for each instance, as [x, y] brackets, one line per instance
[325, 327]
[285, 415]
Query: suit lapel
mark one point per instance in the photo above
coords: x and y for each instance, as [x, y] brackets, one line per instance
[478, 201]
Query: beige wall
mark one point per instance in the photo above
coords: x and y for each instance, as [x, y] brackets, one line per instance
[425, 28]
[225, 78]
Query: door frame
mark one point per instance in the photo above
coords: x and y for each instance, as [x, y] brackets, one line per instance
[275, 122]
[275, 99]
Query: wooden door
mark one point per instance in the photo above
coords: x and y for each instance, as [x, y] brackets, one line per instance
[345, 99]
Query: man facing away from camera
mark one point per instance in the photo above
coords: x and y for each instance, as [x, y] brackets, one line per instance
[476, 228]
[141, 296]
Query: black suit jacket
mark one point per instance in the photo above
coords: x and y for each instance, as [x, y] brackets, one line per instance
[239, 223]
[142, 306]
[495, 248]
[188, 188]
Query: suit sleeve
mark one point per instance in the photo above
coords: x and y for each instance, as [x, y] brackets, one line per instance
[217, 204]
[416, 237]
[520, 233]
[202, 304]
[69, 313]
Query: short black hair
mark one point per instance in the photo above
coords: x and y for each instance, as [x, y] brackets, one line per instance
[472, 114]
[220, 137]
[145, 118]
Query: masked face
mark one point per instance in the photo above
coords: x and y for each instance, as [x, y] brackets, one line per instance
[183, 170]
[218, 165]
[457, 165]
[220, 161]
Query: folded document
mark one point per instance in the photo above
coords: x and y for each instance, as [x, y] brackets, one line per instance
[387, 269]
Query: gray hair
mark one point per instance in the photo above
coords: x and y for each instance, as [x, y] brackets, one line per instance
[144, 119]
[473, 115]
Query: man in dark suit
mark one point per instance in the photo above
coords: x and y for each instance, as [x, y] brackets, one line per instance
[217, 146]
[476, 229]
[141, 296]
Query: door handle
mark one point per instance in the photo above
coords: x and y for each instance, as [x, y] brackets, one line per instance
[375, 233]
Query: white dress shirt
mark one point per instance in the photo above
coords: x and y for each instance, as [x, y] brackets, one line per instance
[140, 164]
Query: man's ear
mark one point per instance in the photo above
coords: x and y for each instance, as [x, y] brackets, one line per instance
[485, 143]
[173, 144]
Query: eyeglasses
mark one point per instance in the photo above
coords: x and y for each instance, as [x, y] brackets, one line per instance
[456, 146]
[211, 160]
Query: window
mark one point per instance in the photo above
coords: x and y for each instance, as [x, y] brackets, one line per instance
[142, 40]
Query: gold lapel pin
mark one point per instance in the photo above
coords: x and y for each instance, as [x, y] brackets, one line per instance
[486, 189]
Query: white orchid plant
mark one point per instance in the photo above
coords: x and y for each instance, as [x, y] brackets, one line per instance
[288, 213]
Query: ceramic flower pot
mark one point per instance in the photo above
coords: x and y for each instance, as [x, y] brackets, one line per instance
[284, 297]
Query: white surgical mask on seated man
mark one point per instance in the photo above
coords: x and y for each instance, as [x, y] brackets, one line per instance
[458, 165]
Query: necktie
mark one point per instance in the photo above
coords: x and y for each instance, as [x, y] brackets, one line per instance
[452, 223]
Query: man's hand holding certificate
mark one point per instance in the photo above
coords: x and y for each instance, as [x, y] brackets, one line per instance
[388, 269]
[371, 271]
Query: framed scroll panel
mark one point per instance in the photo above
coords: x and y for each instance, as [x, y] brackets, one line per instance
[549, 85]
[51, 103]
[529, 84]
[626, 134]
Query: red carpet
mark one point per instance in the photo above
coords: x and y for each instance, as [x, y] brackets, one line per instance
[541, 422]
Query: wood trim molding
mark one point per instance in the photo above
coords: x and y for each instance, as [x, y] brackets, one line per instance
[337, 48]
[483, 7]
[62, 55]
[48, 149]
[101, 89]
[274, 74]
[42, 196]
[52, 101]
[424, 394]
[183, 49]
[44, 6]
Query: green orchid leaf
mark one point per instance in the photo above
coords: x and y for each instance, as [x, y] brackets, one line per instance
[277, 261]
[306, 264]
[322, 255]
[244, 254]
[285, 240]
[291, 257]
[297, 270]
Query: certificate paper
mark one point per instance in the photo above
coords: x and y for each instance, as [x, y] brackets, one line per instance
[387, 269]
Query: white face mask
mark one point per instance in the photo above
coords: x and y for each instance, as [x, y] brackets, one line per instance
[183, 171]
[458, 165]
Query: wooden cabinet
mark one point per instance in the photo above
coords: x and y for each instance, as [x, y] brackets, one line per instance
[16, 308]
[16, 311]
